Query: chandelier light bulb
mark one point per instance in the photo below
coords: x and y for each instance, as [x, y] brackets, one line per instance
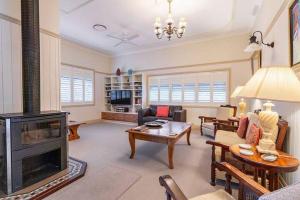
[169, 30]
[170, 19]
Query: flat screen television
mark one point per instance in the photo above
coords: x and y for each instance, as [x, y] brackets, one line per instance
[121, 97]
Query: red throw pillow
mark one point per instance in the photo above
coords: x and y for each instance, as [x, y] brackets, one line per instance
[243, 125]
[162, 111]
[254, 135]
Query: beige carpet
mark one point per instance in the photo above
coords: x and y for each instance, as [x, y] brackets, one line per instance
[112, 175]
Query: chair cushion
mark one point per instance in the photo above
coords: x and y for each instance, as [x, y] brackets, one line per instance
[208, 132]
[253, 119]
[288, 193]
[223, 113]
[243, 124]
[254, 135]
[162, 111]
[208, 125]
[153, 109]
[227, 138]
[218, 195]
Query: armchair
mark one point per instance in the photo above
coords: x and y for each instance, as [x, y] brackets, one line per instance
[226, 136]
[208, 124]
[248, 187]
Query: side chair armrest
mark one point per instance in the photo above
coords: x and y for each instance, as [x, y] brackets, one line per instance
[206, 119]
[225, 127]
[243, 179]
[218, 144]
[172, 189]
[223, 121]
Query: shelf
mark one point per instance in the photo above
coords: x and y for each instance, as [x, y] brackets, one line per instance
[133, 83]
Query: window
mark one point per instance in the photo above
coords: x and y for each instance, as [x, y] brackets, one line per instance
[219, 92]
[164, 93]
[204, 92]
[77, 89]
[88, 88]
[154, 93]
[176, 93]
[202, 88]
[65, 89]
[76, 86]
[189, 92]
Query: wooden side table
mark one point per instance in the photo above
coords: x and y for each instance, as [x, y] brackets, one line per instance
[73, 128]
[285, 163]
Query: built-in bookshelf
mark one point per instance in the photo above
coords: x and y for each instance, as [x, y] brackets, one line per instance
[133, 83]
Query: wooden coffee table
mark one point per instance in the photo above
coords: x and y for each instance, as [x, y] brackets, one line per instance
[161, 135]
[285, 163]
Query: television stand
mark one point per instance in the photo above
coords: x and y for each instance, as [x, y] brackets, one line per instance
[120, 116]
[122, 109]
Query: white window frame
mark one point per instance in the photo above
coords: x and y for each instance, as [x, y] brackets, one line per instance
[84, 74]
[197, 78]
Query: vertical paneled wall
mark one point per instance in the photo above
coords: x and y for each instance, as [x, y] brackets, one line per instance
[11, 69]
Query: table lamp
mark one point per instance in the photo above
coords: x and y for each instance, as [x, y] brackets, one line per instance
[242, 103]
[271, 83]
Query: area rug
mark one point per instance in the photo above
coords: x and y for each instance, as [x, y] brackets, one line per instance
[108, 183]
[76, 170]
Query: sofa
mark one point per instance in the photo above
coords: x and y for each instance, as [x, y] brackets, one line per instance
[176, 113]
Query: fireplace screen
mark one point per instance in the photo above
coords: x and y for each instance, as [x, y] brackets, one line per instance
[39, 167]
[38, 132]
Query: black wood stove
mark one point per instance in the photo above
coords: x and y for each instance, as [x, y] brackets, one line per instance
[33, 144]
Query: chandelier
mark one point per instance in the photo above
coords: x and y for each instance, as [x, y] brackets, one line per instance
[170, 29]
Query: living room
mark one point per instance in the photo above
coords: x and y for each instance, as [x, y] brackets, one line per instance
[177, 92]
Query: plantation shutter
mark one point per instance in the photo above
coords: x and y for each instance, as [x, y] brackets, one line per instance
[88, 90]
[219, 92]
[65, 89]
[204, 92]
[176, 93]
[189, 92]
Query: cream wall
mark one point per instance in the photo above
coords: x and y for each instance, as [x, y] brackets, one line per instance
[206, 55]
[75, 55]
[10, 56]
[274, 22]
[49, 12]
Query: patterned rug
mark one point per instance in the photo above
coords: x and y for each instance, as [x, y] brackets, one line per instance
[76, 170]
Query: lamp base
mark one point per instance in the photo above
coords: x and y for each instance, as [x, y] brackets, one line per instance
[242, 107]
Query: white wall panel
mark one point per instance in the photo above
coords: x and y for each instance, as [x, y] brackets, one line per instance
[11, 69]
[1, 68]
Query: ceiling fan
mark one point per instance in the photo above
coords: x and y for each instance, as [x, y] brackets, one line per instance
[125, 38]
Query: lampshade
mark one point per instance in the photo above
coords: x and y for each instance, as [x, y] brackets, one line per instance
[236, 92]
[252, 47]
[273, 83]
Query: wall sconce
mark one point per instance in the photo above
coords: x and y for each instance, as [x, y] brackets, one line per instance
[255, 45]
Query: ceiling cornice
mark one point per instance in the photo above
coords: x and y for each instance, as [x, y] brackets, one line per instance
[207, 38]
[84, 45]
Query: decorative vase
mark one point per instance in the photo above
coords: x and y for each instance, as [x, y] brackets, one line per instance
[130, 72]
[118, 72]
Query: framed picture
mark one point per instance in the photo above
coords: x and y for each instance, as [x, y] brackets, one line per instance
[295, 32]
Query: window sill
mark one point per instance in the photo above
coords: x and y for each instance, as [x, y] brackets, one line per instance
[78, 105]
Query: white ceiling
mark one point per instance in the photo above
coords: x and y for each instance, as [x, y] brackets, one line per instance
[205, 18]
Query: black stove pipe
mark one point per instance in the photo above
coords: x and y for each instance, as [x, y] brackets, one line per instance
[30, 55]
